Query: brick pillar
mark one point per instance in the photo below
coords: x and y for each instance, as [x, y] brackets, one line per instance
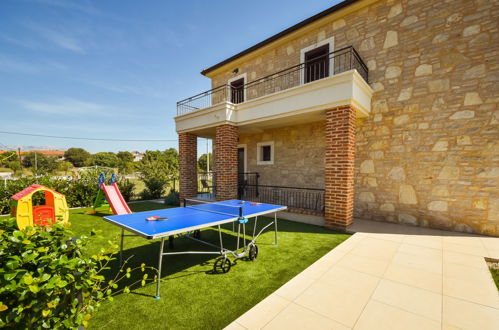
[226, 162]
[188, 150]
[339, 167]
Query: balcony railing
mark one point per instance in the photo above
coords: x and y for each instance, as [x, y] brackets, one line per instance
[336, 62]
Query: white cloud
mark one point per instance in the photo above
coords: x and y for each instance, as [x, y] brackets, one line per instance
[80, 5]
[12, 65]
[58, 38]
[65, 107]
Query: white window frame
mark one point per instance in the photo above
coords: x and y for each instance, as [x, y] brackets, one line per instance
[328, 41]
[245, 147]
[245, 81]
[259, 161]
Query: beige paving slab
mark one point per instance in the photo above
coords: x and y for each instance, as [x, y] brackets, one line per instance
[429, 263]
[418, 301]
[466, 315]
[493, 253]
[336, 303]
[234, 326]
[292, 289]
[415, 277]
[464, 240]
[464, 259]
[362, 264]
[322, 265]
[375, 248]
[297, 317]
[490, 242]
[466, 249]
[480, 276]
[384, 317]
[339, 278]
[387, 237]
[420, 251]
[429, 241]
[263, 312]
[483, 293]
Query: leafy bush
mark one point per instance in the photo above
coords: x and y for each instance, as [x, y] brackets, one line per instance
[46, 281]
[126, 187]
[155, 188]
[173, 199]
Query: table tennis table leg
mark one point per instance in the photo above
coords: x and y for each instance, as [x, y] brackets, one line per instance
[275, 227]
[121, 246]
[158, 283]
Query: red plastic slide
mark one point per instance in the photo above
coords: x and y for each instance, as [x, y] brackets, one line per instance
[115, 199]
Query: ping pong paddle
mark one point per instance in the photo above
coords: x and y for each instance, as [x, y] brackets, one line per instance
[156, 218]
[255, 203]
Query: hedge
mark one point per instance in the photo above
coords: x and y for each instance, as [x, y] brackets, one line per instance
[79, 192]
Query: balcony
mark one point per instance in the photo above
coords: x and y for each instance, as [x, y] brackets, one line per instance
[338, 78]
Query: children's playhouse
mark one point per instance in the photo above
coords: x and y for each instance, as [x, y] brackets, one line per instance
[54, 210]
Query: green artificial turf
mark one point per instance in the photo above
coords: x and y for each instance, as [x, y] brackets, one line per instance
[192, 297]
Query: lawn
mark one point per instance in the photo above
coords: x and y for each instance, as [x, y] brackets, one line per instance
[191, 296]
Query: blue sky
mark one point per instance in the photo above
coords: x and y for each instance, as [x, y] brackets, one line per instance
[115, 69]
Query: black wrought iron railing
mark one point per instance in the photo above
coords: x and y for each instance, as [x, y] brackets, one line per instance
[309, 199]
[206, 182]
[320, 67]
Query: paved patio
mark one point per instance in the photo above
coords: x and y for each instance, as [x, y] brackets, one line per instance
[388, 276]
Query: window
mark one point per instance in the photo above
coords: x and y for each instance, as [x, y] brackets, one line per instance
[265, 153]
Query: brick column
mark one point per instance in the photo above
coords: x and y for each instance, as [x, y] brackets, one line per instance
[339, 167]
[188, 150]
[226, 137]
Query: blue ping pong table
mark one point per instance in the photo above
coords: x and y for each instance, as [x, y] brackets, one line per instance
[187, 221]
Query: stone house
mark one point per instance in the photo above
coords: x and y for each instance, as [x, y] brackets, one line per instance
[384, 110]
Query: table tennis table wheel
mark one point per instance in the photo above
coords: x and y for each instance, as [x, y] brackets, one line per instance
[222, 265]
[253, 252]
[197, 234]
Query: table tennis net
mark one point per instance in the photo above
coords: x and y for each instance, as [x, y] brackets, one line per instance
[214, 207]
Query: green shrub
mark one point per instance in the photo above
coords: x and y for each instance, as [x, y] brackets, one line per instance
[126, 187]
[155, 188]
[173, 199]
[46, 281]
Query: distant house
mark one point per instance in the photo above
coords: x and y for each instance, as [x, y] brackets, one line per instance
[378, 110]
[137, 156]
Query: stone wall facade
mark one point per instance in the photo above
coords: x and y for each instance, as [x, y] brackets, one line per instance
[428, 154]
[298, 155]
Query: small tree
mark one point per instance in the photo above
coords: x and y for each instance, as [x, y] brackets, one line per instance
[106, 159]
[202, 162]
[7, 157]
[157, 168]
[126, 162]
[76, 156]
[39, 163]
[64, 166]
